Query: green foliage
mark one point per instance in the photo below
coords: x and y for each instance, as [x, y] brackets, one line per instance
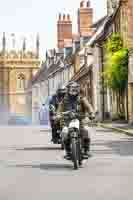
[116, 72]
[114, 44]
[116, 68]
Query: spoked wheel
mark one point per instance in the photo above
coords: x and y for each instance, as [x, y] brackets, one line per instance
[75, 153]
[79, 152]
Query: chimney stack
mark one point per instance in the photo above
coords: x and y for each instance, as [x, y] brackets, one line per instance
[64, 30]
[81, 4]
[24, 45]
[4, 42]
[88, 4]
[64, 17]
[59, 16]
[85, 19]
[37, 45]
[68, 17]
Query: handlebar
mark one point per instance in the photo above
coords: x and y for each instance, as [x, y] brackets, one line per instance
[68, 112]
[74, 114]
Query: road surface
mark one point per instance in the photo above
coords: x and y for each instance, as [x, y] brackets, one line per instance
[31, 168]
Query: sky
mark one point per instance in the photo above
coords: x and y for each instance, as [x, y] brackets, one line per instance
[26, 18]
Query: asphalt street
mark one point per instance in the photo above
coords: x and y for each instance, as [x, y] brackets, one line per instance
[31, 168]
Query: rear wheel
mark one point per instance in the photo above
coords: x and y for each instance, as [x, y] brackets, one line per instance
[74, 153]
[62, 145]
[62, 142]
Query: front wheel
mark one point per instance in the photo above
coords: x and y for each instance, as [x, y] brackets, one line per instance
[74, 153]
[79, 152]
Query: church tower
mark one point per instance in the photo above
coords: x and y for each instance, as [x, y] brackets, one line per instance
[17, 67]
[3, 42]
[24, 45]
[37, 46]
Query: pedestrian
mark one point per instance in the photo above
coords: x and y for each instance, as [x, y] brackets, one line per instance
[43, 115]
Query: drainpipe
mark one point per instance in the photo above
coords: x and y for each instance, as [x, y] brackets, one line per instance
[127, 93]
[48, 87]
[103, 89]
[127, 102]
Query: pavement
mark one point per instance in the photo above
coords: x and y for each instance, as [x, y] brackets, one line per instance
[122, 127]
[31, 168]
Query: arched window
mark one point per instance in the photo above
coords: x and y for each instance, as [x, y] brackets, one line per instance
[21, 81]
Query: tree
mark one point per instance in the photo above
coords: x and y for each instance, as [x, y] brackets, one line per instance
[116, 69]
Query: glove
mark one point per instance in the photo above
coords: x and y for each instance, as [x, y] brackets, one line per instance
[72, 115]
[51, 108]
[85, 121]
[92, 117]
[58, 117]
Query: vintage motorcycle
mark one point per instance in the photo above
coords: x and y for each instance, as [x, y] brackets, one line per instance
[73, 132]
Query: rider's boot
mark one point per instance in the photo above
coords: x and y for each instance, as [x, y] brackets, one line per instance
[68, 151]
[58, 137]
[54, 137]
[68, 155]
[86, 154]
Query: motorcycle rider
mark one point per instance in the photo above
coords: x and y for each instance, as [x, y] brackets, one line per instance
[53, 106]
[76, 100]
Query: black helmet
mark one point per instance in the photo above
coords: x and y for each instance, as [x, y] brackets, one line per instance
[73, 88]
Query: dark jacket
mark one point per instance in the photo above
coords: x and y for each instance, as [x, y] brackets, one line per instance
[80, 102]
[55, 101]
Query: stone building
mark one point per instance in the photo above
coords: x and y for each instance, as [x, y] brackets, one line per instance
[101, 94]
[123, 23]
[129, 22]
[56, 70]
[39, 88]
[89, 66]
[115, 22]
[16, 69]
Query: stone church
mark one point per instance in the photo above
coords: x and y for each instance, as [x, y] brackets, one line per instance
[16, 70]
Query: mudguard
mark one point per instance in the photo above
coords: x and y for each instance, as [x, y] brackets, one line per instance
[74, 124]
